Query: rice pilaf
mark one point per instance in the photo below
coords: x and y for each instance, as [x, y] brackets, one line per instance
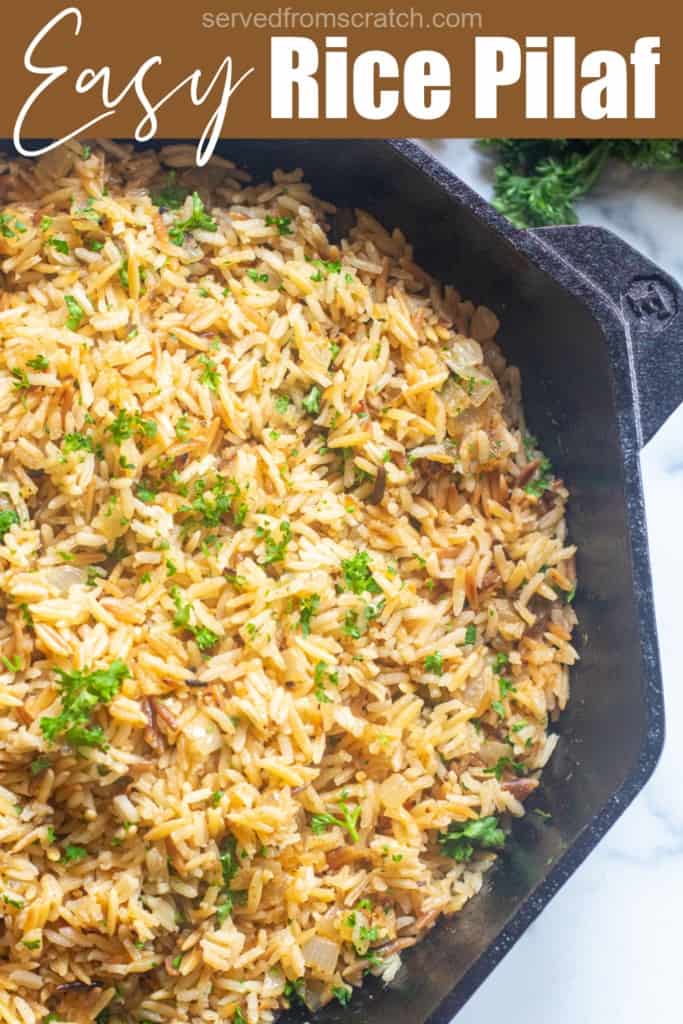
[286, 586]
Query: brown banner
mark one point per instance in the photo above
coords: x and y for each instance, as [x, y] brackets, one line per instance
[330, 69]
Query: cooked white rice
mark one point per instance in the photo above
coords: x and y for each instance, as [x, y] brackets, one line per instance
[286, 591]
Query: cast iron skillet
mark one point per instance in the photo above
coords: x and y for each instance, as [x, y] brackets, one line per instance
[597, 331]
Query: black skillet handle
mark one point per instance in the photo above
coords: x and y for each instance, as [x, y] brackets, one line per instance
[650, 305]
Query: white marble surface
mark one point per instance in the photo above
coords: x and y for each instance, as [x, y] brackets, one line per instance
[608, 947]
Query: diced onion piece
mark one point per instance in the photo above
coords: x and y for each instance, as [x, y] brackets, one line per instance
[474, 693]
[63, 577]
[203, 734]
[464, 355]
[321, 954]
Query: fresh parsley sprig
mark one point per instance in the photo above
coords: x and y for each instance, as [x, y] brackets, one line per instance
[81, 692]
[348, 820]
[463, 838]
[538, 181]
[199, 220]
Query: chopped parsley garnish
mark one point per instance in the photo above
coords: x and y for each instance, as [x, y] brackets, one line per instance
[77, 442]
[38, 363]
[171, 195]
[81, 692]
[351, 627]
[329, 266]
[503, 764]
[31, 943]
[39, 765]
[204, 638]
[506, 686]
[256, 276]
[75, 311]
[229, 860]
[45, 223]
[212, 504]
[468, 383]
[348, 821]
[320, 672]
[543, 479]
[463, 838]
[372, 958]
[8, 232]
[281, 223]
[500, 661]
[471, 635]
[217, 796]
[72, 853]
[181, 619]
[126, 424]
[367, 935]
[282, 403]
[8, 519]
[95, 245]
[308, 607]
[311, 402]
[224, 909]
[342, 994]
[434, 663]
[275, 550]
[86, 153]
[237, 581]
[321, 694]
[199, 220]
[182, 427]
[543, 815]
[294, 991]
[357, 575]
[59, 244]
[146, 493]
[209, 375]
[11, 901]
[20, 379]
